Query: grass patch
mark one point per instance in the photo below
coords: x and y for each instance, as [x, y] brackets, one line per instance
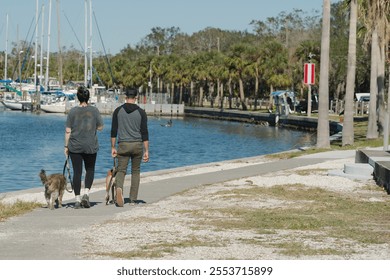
[324, 213]
[360, 139]
[360, 142]
[16, 209]
[306, 172]
[158, 250]
[288, 155]
[298, 249]
[143, 253]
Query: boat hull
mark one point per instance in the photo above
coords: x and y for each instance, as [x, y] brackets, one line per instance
[13, 105]
[53, 108]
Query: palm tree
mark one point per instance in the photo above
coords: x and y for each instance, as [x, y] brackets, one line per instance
[201, 72]
[255, 57]
[172, 75]
[348, 133]
[376, 19]
[275, 66]
[238, 64]
[323, 108]
[372, 128]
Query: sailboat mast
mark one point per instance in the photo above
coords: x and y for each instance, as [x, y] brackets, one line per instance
[85, 44]
[48, 48]
[19, 64]
[42, 37]
[59, 45]
[90, 41]
[36, 46]
[6, 49]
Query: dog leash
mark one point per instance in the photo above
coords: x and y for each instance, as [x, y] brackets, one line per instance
[67, 168]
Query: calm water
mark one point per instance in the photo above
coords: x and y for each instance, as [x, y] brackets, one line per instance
[30, 142]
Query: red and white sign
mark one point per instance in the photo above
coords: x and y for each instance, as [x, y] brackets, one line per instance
[309, 73]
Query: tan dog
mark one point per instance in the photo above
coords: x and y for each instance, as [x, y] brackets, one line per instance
[54, 188]
[110, 186]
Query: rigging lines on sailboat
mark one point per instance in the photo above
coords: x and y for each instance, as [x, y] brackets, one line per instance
[104, 49]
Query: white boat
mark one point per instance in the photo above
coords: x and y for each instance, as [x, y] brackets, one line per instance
[59, 106]
[22, 87]
[15, 104]
[12, 104]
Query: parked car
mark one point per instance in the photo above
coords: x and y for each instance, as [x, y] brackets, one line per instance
[362, 97]
[363, 101]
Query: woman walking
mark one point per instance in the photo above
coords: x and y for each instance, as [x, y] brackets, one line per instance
[81, 144]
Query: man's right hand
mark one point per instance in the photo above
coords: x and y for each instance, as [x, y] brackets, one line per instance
[113, 152]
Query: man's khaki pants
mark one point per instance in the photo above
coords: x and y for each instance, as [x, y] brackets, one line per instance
[127, 151]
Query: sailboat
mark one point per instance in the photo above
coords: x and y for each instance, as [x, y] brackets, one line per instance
[63, 101]
[22, 90]
[16, 101]
[59, 103]
[12, 104]
[9, 101]
[55, 99]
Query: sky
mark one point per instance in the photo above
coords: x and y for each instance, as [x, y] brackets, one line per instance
[126, 22]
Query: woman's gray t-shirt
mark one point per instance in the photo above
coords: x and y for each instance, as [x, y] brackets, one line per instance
[84, 121]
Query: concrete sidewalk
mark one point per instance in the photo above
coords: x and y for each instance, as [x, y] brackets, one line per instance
[52, 235]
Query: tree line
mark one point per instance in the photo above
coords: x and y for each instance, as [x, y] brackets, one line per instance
[369, 26]
[215, 64]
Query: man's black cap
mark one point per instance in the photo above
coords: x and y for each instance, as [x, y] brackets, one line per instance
[131, 92]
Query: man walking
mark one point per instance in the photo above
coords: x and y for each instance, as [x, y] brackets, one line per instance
[130, 126]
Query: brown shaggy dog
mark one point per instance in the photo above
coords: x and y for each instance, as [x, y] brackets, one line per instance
[54, 188]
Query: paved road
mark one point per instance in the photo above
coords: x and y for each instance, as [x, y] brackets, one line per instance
[52, 235]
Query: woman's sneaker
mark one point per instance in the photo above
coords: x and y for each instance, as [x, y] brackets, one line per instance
[77, 205]
[85, 201]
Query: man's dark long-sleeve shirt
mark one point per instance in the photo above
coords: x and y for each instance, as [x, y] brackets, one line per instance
[129, 124]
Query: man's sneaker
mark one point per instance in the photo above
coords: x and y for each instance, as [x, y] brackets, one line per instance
[77, 205]
[119, 198]
[85, 201]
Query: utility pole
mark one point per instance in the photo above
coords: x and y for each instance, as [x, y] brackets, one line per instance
[150, 78]
[309, 87]
[158, 77]
[219, 88]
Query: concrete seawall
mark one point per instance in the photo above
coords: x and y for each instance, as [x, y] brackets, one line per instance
[291, 121]
[172, 110]
[380, 161]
